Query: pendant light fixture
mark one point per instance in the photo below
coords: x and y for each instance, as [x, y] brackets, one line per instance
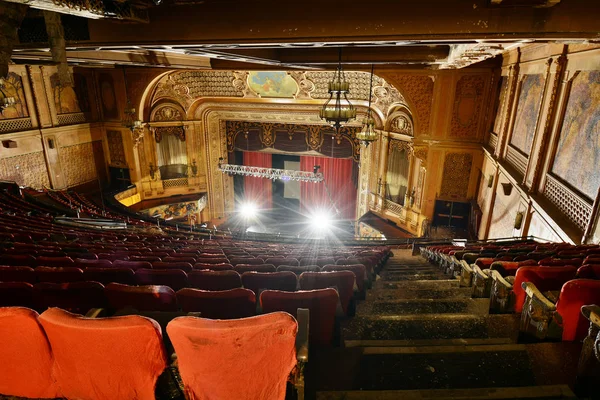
[338, 109]
[368, 133]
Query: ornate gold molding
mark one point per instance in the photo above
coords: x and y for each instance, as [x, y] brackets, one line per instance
[514, 77]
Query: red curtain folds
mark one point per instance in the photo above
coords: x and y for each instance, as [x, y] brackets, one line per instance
[258, 190]
[337, 173]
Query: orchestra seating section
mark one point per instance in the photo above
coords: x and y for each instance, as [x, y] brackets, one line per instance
[546, 283]
[65, 272]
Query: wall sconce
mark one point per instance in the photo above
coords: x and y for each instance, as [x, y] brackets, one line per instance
[152, 171]
[507, 188]
[519, 219]
[490, 181]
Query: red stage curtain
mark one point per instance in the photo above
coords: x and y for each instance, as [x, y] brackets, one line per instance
[258, 190]
[337, 173]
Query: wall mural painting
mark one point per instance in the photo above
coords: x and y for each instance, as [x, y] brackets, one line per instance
[579, 143]
[69, 99]
[272, 84]
[177, 210]
[501, 108]
[528, 110]
[12, 86]
[109, 99]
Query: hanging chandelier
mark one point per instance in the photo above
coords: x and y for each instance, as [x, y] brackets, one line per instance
[338, 109]
[368, 133]
[129, 114]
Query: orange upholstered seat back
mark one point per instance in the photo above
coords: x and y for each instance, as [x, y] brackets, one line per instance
[242, 359]
[104, 358]
[25, 369]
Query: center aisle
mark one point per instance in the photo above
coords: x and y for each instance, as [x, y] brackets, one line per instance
[419, 335]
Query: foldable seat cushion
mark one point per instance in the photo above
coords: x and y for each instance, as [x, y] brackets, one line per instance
[257, 281]
[242, 359]
[214, 280]
[544, 278]
[299, 269]
[59, 274]
[17, 274]
[342, 281]
[104, 358]
[109, 275]
[241, 268]
[26, 366]
[573, 295]
[223, 304]
[174, 278]
[79, 297]
[142, 298]
[322, 304]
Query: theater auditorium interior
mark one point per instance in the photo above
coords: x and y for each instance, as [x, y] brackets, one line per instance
[321, 200]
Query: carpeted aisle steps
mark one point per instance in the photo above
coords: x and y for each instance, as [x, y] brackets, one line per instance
[418, 335]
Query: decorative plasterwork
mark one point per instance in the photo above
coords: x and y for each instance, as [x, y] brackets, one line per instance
[418, 91]
[171, 89]
[240, 83]
[467, 106]
[160, 131]
[421, 153]
[400, 122]
[401, 145]
[167, 112]
[457, 172]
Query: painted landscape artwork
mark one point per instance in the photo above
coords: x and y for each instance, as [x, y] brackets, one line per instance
[578, 152]
[528, 109]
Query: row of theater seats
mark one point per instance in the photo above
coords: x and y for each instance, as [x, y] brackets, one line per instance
[62, 355]
[547, 283]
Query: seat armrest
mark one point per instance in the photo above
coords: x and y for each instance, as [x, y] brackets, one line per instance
[302, 335]
[506, 282]
[465, 265]
[535, 295]
[95, 313]
[592, 313]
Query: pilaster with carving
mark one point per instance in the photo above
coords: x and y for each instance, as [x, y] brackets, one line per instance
[514, 81]
[561, 61]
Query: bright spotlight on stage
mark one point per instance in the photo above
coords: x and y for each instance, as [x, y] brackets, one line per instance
[248, 210]
[320, 220]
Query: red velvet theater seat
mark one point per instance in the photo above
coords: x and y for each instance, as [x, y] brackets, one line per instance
[277, 261]
[79, 297]
[58, 274]
[26, 366]
[109, 275]
[134, 265]
[235, 261]
[573, 295]
[587, 271]
[256, 281]
[55, 261]
[320, 261]
[213, 267]
[224, 304]
[17, 274]
[343, 281]
[321, 303]
[241, 268]
[104, 358]
[16, 294]
[174, 278]
[360, 272]
[141, 298]
[243, 359]
[85, 263]
[214, 280]
[18, 259]
[544, 278]
[214, 260]
[299, 269]
[182, 265]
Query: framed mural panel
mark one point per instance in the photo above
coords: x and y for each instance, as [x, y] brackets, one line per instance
[528, 110]
[578, 148]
